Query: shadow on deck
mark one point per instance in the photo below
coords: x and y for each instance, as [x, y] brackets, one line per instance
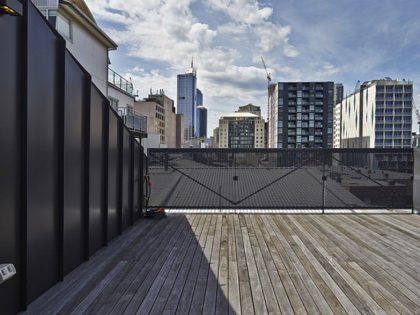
[236, 263]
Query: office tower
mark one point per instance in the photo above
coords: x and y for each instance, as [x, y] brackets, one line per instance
[241, 130]
[187, 100]
[199, 101]
[201, 122]
[378, 115]
[301, 114]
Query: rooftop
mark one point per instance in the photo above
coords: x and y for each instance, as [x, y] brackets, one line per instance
[306, 264]
[240, 114]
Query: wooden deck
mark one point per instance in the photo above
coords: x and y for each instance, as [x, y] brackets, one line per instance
[250, 264]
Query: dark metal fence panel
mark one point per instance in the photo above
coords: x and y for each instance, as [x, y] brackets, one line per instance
[54, 170]
[97, 210]
[74, 183]
[136, 180]
[42, 154]
[371, 179]
[279, 179]
[127, 186]
[416, 184]
[113, 162]
[10, 197]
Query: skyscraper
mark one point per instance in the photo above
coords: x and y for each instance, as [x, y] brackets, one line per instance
[301, 114]
[201, 122]
[198, 112]
[187, 100]
[199, 98]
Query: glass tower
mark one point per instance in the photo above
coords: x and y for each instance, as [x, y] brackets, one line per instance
[187, 101]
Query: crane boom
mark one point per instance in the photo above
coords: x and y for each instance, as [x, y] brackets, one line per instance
[266, 71]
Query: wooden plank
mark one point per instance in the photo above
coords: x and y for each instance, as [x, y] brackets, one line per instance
[70, 302]
[143, 266]
[152, 270]
[167, 274]
[78, 278]
[222, 303]
[368, 259]
[135, 255]
[292, 294]
[285, 237]
[82, 307]
[180, 302]
[387, 290]
[267, 286]
[210, 297]
[110, 296]
[201, 282]
[173, 287]
[233, 278]
[382, 241]
[328, 236]
[256, 286]
[382, 260]
[326, 285]
[285, 253]
[247, 305]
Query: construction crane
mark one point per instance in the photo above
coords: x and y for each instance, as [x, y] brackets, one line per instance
[417, 111]
[266, 71]
[268, 75]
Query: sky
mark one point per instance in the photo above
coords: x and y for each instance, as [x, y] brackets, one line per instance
[301, 40]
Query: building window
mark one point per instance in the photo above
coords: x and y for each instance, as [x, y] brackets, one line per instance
[64, 26]
[113, 102]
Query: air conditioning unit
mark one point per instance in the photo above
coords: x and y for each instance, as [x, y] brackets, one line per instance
[7, 271]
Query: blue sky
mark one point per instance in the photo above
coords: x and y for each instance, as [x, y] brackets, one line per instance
[332, 40]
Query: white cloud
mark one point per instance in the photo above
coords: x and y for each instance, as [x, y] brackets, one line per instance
[165, 34]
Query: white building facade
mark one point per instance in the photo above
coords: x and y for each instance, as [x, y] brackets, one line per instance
[378, 115]
[84, 39]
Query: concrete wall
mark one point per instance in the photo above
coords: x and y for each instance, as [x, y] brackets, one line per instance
[416, 188]
[92, 54]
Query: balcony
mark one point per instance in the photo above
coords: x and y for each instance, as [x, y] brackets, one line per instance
[121, 83]
[136, 122]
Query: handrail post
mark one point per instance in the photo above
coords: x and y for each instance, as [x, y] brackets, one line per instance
[324, 179]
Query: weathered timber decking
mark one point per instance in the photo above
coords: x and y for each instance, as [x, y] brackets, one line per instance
[246, 264]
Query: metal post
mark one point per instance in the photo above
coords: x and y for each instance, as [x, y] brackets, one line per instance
[324, 179]
[220, 198]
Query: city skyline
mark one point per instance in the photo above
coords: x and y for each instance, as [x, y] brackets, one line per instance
[156, 41]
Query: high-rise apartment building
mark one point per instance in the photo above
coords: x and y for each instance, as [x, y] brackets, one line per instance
[187, 101]
[378, 115]
[301, 114]
[241, 130]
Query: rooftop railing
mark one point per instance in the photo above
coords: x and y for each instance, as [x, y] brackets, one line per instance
[133, 120]
[120, 82]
